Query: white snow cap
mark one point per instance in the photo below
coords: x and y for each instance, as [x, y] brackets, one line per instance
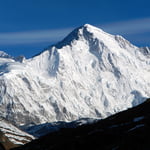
[91, 27]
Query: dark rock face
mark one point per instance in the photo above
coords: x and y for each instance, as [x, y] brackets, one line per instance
[5, 144]
[127, 130]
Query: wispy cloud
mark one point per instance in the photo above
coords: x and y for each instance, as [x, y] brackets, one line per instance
[29, 37]
[129, 27]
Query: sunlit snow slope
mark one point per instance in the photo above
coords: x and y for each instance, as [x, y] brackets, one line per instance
[89, 74]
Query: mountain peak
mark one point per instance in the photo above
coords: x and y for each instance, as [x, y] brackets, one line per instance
[88, 26]
[4, 55]
[83, 31]
[95, 36]
[91, 27]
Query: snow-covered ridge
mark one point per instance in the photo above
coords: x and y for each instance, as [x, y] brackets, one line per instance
[4, 55]
[14, 135]
[90, 74]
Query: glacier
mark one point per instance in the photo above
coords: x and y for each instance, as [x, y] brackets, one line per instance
[89, 74]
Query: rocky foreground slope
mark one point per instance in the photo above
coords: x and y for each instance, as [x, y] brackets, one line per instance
[89, 74]
[11, 136]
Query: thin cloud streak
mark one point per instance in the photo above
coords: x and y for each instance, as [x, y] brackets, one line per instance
[130, 27]
[30, 37]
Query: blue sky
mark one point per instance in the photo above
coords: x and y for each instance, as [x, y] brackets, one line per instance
[27, 27]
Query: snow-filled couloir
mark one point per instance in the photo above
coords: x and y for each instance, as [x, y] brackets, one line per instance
[89, 74]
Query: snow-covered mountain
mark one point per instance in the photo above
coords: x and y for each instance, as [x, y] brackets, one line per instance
[89, 74]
